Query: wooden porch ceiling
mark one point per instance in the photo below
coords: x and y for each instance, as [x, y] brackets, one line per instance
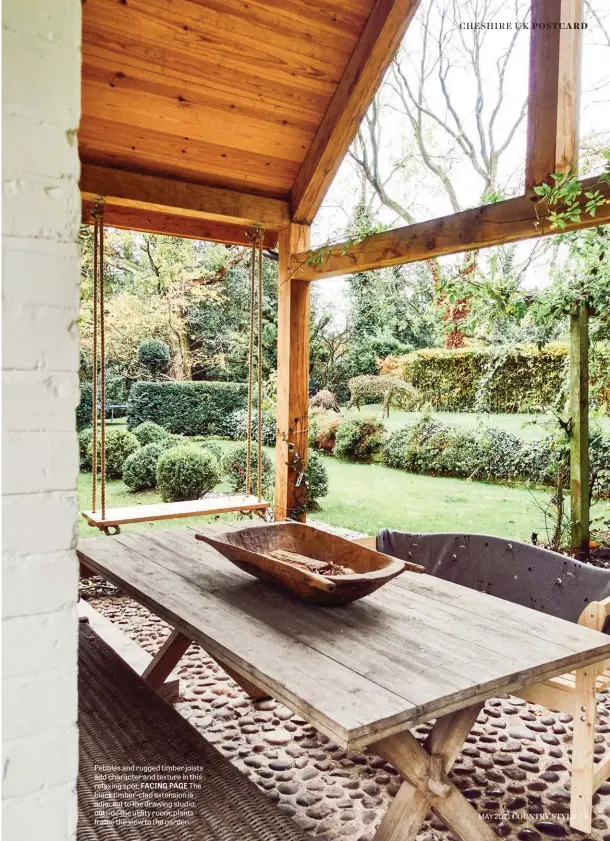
[258, 99]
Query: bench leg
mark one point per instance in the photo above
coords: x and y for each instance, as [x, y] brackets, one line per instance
[166, 659]
[585, 712]
[426, 784]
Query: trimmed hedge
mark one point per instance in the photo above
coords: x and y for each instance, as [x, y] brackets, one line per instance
[519, 379]
[186, 408]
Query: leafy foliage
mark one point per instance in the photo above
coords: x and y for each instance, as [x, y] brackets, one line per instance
[120, 444]
[140, 468]
[84, 410]
[150, 433]
[154, 355]
[236, 426]
[490, 454]
[316, 480]
[234, 464]
[323, 432]
[186, 408]
[359, 440]
[85, 438]
[186, 473]
[520, 379]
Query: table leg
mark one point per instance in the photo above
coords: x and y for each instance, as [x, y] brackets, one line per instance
[585, 712]
[426, 784]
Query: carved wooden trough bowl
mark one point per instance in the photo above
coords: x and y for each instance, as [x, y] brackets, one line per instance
[314, 565]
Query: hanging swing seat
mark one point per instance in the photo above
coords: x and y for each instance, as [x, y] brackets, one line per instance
[110, 520]
[116, 517]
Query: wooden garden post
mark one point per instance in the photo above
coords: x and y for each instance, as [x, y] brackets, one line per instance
[579, 431]
[292, 378]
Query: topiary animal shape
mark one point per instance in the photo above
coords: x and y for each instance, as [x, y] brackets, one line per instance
[382, 389]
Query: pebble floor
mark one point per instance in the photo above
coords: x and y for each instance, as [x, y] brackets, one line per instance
[515, 763]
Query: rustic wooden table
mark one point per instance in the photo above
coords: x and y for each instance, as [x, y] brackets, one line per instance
[418, 649]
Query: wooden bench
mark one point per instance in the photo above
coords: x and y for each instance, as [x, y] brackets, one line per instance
[124, 723]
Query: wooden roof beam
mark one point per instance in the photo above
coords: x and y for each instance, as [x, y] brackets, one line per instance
[173, 225]
[371, 58]
[180, 198]
[494, 224]
[554, 91]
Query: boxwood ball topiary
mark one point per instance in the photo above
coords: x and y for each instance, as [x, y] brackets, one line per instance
[154, 355]
[150, 433]
[140, 469]
[234, 469]
[186, 473]
[120, 444]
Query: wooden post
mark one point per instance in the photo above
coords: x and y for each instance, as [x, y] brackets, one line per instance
[579, 430]
[554, 90]
[292, 378]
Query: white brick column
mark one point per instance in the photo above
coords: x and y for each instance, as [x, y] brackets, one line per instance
[41, 108]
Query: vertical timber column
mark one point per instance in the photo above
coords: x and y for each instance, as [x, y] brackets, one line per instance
[579, 434]
[554, 90]
[292, 378]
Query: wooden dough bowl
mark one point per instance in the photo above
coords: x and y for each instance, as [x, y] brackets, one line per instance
[250, 549]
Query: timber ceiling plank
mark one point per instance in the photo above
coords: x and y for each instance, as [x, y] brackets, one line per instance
[103, 142]
[220, 92]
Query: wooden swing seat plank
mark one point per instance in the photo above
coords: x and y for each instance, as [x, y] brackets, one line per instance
[173, 510]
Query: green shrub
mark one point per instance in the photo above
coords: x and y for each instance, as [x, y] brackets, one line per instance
[85, 438]
[84, 410]
[150, 433]
[518, 379]
[359, 440]
[214, 448]
[325, 434]
[140, 469]
[116, 391]
[234, 464]
[153, 354]
[120, 444]
[186, 473]
[237, 426]
[316, 480]
[491, 454]
[395, 448]
[186, 408]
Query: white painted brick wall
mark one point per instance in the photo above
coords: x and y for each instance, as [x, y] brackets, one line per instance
[41, 107]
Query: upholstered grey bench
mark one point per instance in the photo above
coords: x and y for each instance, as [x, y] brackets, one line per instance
[123, 722]
[515, 571]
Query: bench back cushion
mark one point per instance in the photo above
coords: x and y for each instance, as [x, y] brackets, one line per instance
[515, 571]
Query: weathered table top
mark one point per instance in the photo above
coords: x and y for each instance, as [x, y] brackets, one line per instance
[418, 648]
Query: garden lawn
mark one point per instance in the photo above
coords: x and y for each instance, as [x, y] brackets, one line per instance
[368, 497]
